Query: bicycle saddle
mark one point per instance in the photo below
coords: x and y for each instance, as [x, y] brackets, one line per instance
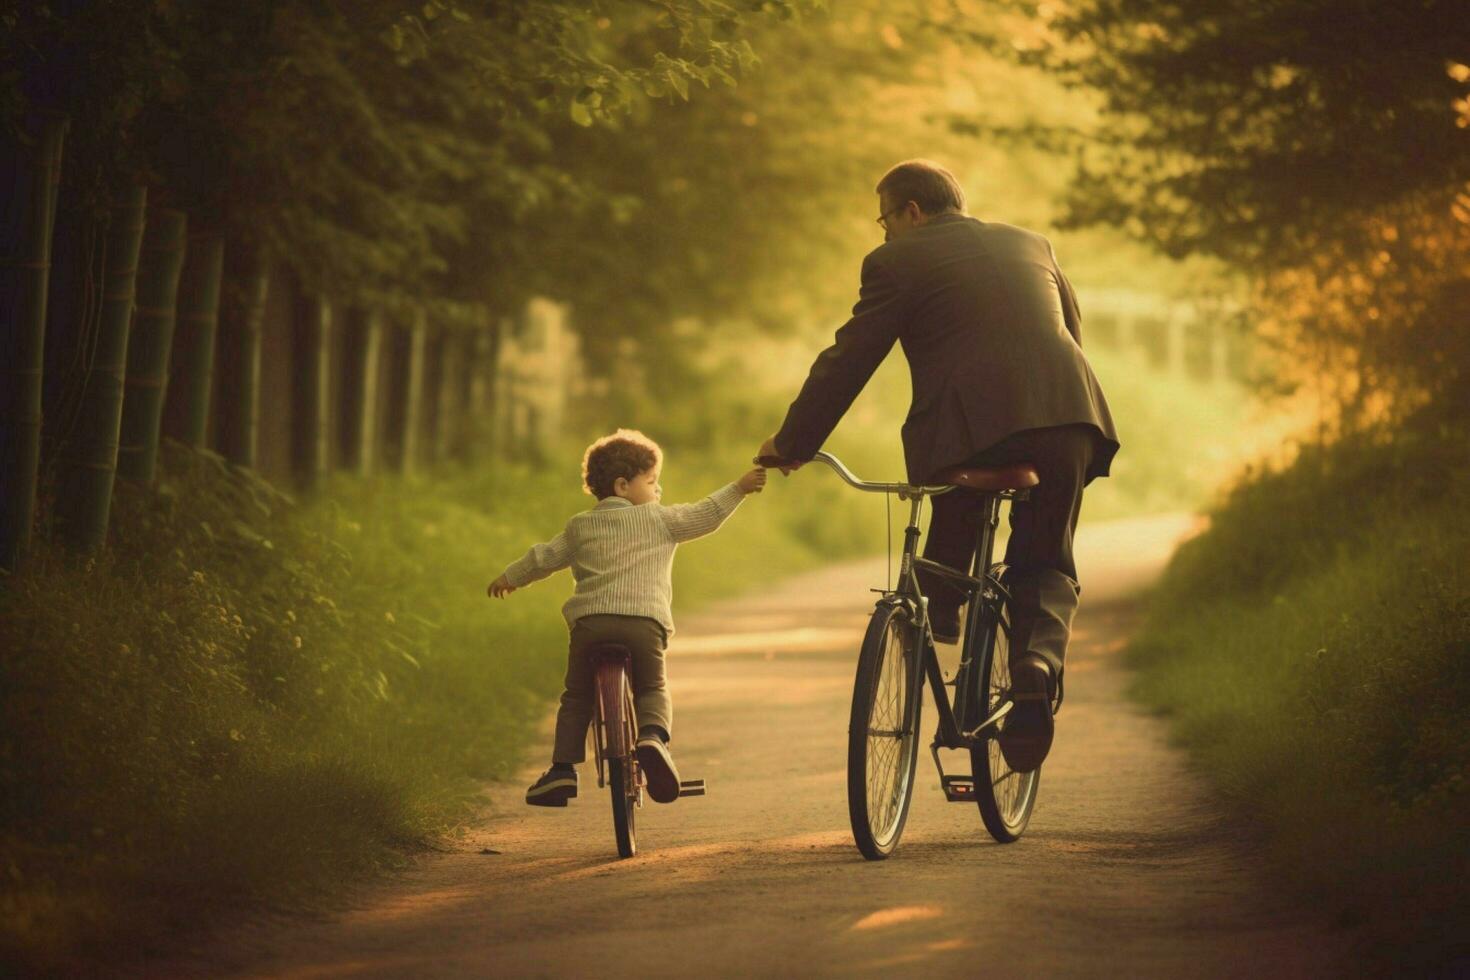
[1017, 476]
[606, 651]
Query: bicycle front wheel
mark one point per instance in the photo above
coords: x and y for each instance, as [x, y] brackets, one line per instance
[1006, 797]
[883, 733]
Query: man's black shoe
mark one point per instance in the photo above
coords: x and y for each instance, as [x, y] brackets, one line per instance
[1027, 734]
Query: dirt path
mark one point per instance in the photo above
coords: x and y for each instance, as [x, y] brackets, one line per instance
[1126, 868]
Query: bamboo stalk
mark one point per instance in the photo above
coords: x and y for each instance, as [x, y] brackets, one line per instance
[191, 371]
[89, 461]
[413, 395]
[312, 409]
[242, 316]
[484, 393]
[159, 267]
[471, 394]
[362, 344]
[30, 175]
[442, 390]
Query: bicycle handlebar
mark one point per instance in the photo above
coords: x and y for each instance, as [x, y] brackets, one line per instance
[902, 489]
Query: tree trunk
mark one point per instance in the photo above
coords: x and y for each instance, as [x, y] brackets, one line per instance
[191, 371]
[362, 345]
[89, 463]
[472, 391]
[433, 362]
[29, 176]
[243, 296]
[311, 419]
[443, 391]
[151, 339]
[484, 392]
[407, 410]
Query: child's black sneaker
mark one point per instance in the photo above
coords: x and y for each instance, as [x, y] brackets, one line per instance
[554, 788]
[658, 767]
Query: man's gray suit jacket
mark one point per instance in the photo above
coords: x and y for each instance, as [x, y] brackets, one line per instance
[992, 334]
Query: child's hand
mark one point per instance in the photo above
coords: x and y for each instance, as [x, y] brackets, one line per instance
[752, 482]
[500, 588]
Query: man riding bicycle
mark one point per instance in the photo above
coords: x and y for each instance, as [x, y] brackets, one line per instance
[991, 331]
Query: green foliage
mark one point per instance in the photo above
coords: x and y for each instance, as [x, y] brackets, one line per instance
[1263, 132]
[1319, 146]
[245, 700]
[382, 150]
[1313, 651]
[472, 155]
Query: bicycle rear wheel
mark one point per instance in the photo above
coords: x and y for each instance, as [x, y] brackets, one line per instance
[622, 775]
[1006, 797]
[883, 733]
[615, 712]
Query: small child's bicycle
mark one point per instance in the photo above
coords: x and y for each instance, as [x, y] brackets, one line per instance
[615, 734]
[898, 655]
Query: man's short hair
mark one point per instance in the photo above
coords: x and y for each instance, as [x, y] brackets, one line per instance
[924, 182]
[625, 453]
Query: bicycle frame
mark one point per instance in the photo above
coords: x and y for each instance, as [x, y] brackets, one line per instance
[986, 595]
[614, 733]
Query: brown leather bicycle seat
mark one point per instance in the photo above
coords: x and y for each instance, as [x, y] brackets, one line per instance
[1017, 476]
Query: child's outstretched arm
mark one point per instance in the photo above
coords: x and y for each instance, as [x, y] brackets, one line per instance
[689, 521]
[534, 565]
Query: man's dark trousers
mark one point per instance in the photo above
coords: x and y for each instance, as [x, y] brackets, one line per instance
[1042, 578]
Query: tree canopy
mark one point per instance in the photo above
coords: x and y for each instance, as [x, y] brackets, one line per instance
[384, 150]
[1321, 146]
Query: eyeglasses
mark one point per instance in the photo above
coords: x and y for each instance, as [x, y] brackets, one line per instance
[882, 219]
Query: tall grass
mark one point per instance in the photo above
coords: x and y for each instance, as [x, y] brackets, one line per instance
[247, 700]
[1313, 652]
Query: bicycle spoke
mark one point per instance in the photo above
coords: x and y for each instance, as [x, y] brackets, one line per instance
[1006, 796]
[887, 741]
[880, 777]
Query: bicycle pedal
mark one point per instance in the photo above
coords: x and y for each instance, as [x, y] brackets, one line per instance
[691, 787]
[958, 789]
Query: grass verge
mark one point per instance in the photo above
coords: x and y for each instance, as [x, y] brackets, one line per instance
[1312, 650]
[245, 701]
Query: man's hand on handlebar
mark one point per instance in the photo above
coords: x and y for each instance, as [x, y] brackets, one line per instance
[767, 456]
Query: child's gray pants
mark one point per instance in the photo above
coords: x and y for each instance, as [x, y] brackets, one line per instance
[645, 639]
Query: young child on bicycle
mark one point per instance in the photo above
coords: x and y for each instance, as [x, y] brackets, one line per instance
[621, 552]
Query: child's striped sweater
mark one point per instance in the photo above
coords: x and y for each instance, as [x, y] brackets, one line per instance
[622, 555]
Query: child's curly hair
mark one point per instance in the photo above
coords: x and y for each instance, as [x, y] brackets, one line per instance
[625, 453]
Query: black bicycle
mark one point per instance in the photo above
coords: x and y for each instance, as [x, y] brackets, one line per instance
[898, 655]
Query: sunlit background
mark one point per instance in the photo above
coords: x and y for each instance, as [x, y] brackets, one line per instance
[310, 309]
